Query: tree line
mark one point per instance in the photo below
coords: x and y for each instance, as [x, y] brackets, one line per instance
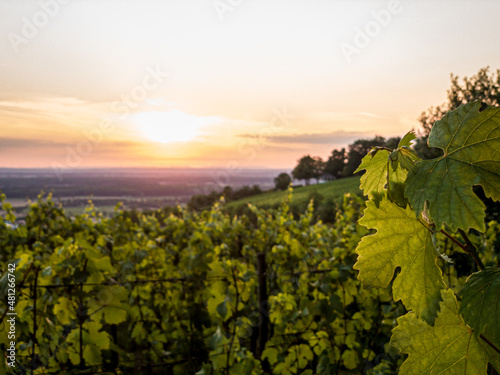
[342, 163]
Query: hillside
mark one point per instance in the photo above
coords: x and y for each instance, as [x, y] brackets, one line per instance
[330, 191]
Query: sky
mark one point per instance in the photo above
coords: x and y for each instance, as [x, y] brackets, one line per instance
[225, 83]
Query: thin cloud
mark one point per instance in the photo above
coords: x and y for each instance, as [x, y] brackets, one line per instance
[16, 143]
[337, 137]
[31, 143]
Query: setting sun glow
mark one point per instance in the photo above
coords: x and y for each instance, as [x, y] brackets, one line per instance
[168, 127]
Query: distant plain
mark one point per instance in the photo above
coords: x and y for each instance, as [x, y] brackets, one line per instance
[141, 189]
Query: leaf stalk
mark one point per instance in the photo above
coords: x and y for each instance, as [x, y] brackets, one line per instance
[471, 249]
[489, 343]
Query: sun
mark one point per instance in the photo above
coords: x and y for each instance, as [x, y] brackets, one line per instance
[168, 127]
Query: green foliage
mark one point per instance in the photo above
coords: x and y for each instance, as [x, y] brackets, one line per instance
[336, 163]
[379, 173]
[481, 303]
[331, 192]
[480, 87]
[360, 148]
[308, 167]
[183, 292]
[200, 202]
[412, 211]
[448, 347]
[470, 141]
[180, 293]
[410, 248]
[282, 181]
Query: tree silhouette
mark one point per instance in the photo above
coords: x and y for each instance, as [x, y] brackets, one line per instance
[482, 86]
[358, 150]
[336, 163]
[282, 181]
[307, 168]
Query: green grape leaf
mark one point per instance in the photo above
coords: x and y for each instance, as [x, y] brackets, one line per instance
[374, 181]
[47, 271]
[375, 177]
[64, 310]
[217, 296]
[471, 142]
[114, 314]
[139, 332]
[448, 347]
[95, 342]
[494, 356]
[74, 357]
[305, 355]
[100, 339]
[406, 140]
[110, 304]
[480, 303]
[350, 359]
[92, 355]
[404, 155]
[271, 354]
[222, 309]
[401, 241]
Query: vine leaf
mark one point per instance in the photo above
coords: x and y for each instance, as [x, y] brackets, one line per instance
[447, 347]
[111, 304]
[93, 342]
[404, 155]
[494, 356]
[471, 143]
[401, 241]
[407, 139]
[480, 303]
[374, 181]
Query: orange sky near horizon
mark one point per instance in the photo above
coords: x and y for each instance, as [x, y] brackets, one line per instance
[210, 84]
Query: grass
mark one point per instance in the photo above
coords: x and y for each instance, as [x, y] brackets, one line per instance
[333, 190]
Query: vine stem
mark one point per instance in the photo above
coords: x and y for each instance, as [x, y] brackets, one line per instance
[389, 181]
[457, 242]
[235, 314]
[33, 353]
[345, 325]
[471, 249]
[490, 343]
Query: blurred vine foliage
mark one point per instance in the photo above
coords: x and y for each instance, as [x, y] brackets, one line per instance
[429, 219]
[180, 293]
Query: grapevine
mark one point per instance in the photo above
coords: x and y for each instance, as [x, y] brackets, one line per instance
[184, 293]
[452, 325]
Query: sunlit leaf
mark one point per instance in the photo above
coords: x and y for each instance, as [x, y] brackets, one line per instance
[374, 181]
[401, 241]
[480, 303]
[448, 347]
[407, 139]
[471, 142]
